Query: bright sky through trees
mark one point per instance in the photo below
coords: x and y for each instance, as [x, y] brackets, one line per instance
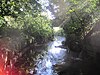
[46, 12]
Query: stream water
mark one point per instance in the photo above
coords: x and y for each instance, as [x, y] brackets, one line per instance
[53, 56]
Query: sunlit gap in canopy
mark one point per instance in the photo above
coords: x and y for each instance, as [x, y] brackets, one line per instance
[56, 29]
[46, 12]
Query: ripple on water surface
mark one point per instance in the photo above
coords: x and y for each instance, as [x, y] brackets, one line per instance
[53, 56]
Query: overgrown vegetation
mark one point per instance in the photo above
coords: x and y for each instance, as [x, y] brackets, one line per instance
[82, 16]
[27, 19]
[77, 17]
[23, 25]
[23, 28]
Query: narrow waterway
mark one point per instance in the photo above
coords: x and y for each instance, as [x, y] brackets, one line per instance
[53, 56]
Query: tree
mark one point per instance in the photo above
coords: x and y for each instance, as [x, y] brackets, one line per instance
[13, 8]
[21, 21]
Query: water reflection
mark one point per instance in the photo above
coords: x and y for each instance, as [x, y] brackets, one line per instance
[53, 56]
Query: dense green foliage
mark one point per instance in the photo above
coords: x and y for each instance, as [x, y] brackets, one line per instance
[22, 22]
[13, 8]
[81, 15]
[78, 23]
[25, 16]
[77, 17]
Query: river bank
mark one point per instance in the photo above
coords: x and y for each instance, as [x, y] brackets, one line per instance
[88, 51]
